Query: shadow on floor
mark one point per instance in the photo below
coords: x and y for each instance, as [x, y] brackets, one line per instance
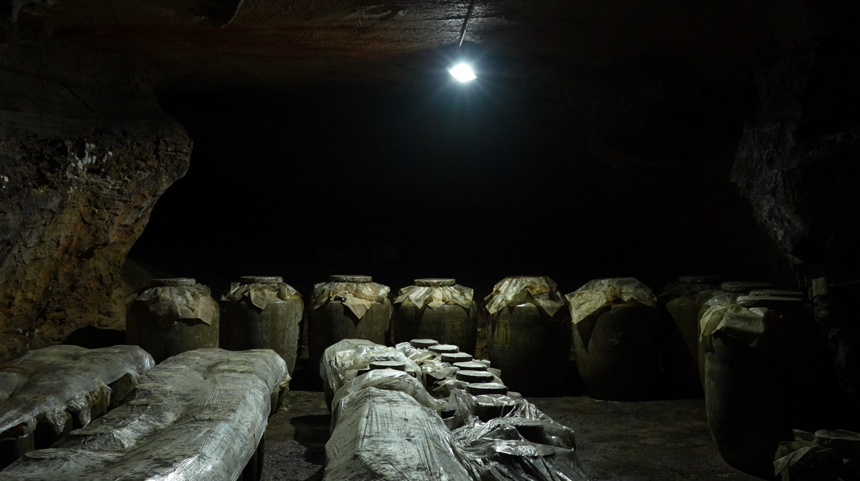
[312, 432]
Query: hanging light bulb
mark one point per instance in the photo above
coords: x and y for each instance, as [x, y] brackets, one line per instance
[462, 72]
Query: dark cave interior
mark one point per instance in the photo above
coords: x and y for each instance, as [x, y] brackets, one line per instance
[612, 146]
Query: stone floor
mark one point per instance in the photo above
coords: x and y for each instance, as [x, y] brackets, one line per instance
[619, 441]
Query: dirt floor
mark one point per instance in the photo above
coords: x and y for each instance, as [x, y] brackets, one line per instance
[619, 441]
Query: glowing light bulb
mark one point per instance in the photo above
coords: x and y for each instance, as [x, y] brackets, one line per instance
[462, 72]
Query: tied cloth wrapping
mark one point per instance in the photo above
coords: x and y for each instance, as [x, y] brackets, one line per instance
[540, 291]
[260, 295]
[171, 303]
[744, 324]
[435, 297]
[600, 292]
[357, 296]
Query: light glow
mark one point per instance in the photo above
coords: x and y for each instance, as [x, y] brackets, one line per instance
[462, 72]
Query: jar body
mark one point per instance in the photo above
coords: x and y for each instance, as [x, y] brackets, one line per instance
[144, 329]
[334, 321]
[245, 326]
[616, 353]
[531, 348]
[448, 324]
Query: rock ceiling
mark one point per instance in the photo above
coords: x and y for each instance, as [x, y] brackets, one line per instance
[132, 47]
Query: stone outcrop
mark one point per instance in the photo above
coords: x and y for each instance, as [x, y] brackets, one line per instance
[70, 209]
[797, 167]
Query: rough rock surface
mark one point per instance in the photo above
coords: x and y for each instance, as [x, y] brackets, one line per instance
[70, 209]
[797, 167]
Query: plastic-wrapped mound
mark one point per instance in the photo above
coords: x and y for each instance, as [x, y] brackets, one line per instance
[513, 291]
[600, 292]
[435, 293]
[260, 291]
[342, 361]
[196, 416]
[355, 292]
[174, 301]
[383, 430]
[823, 455]
[46, 383]
[522, 444]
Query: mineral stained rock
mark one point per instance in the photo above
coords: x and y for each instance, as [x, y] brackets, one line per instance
[71, 206]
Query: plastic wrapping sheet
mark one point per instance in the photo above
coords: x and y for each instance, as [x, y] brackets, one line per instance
[47, 382]
[600, 292]
[823, 455]
[341, 361]
[385, 379]
[522, 444]
[388, 435]
[436, 296]
[260, 294]
[197, 416]
[357, 296]
[169, 303]
[513, 291]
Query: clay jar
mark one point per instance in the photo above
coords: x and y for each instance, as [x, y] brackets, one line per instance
[437, 309]
[171, 317]
[262, 313]
[346, 307]
[528, 336]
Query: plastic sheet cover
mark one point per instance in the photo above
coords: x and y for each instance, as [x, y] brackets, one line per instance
[384, 379]
[435, 297]
[197, 416]
[600, 292]
[342, 360]
[823, 455]
[523, 444]
[260, 294]
[384, 434]
[357, 296]
[170, 303]
[540, 291]
[46, 382]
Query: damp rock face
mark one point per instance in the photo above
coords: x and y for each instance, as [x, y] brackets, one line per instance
[797, 169]
[71, 206]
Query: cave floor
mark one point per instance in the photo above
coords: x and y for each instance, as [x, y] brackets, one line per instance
[620, 441]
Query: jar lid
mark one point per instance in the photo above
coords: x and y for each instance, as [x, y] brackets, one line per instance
[261, 279]
[173, 282]
[348, 278]
[423, 343]
[775, 293]
[453, 357]
[396, 365]
[443, 348]
[770, 302]
[479, 388]
[433, 282]
[485, 362]
[736, 286]
[699, 279]
[470, 366]
[475, 376]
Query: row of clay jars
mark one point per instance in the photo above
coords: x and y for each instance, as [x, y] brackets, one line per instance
[165, 321]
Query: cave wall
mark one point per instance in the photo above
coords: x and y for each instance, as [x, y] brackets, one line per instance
[70, 209]
[798, 167]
